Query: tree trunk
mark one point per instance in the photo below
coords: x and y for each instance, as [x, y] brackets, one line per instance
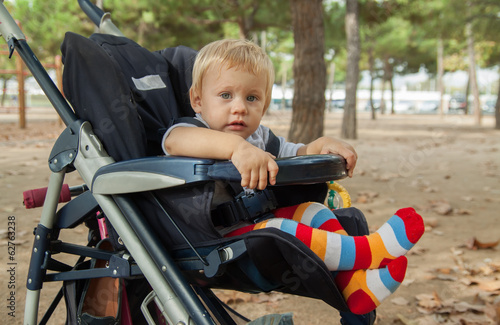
[4, 91]
[283, 85]
[472, 73]
[391, 85]
[467, 93]
[309, 71]
[440, 74]
[331, 80]
[349, 127]
[388, 74]
[497, 110]
[371, 66]
[382, 98]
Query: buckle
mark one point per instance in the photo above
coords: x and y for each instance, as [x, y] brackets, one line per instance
[252, 207]
[256, 204]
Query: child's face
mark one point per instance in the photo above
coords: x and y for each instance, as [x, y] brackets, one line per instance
[231, 101]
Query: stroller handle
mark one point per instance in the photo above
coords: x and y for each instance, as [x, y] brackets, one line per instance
[17, 41]
[101, 19]
[92, 11]
[8, 27]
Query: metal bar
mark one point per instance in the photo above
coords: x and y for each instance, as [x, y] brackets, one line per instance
[164, 262]
[49, 88]
[17, 41]
[52, 307]
[36, 273]
[92, 11]
[92, 156]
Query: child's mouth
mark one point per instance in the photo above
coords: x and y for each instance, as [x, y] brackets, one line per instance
[237, 125]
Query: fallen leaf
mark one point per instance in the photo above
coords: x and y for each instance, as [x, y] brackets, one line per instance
[462, 212]
[489, 285]
[493, 311]
[463, 307]
[431, 222]
[441, 207]
[444, 277]
[429, 301]
[474, 244]
[446, 270]
[400, 301]
[366, 196]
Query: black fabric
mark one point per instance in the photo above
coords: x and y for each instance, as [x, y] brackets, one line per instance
[157, 107]
[184, 119]
[180, 60]
[72, 291]
[99, 75]
[353, 221]
[273, 144]
[189, 206]
[96, 88]
[188, 120]
[295, 194]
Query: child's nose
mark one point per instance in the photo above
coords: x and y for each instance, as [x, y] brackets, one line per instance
[239, 106]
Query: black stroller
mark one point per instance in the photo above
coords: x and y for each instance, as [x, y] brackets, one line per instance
[150, 218]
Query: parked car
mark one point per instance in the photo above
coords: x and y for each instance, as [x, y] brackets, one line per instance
[489, 106]
[428, 106]
[457, 102]
[403, 106]
[338, 103]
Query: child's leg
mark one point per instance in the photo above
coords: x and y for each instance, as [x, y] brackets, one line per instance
[312, 214]
[339, 252]
[364, 290]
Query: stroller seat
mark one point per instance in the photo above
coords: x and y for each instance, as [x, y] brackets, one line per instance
[159, 209]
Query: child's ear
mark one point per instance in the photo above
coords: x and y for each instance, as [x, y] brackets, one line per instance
[195, 100]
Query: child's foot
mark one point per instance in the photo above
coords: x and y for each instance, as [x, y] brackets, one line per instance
[395, 238]
[364, 290]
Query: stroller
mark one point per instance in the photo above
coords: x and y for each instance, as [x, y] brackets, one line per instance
[152, 240]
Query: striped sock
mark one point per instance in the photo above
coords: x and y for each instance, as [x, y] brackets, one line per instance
[364, 290]
[312, 214]
[398, 235]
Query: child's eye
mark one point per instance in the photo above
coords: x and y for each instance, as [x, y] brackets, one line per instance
[225, 96]
[251, 98]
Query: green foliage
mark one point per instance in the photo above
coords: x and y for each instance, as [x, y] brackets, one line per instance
[45, 22]
[403, 31]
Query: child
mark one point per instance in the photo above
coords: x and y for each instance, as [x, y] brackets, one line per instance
[231, 91]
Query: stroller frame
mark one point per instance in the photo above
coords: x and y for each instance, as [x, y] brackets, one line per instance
[79, 148]
[87, 156]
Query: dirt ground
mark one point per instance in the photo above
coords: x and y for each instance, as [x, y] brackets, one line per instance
[447, 168]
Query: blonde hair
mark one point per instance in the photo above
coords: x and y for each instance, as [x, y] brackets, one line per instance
[229, 53]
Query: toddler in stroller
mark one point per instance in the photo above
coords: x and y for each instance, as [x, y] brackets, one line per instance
[231, 90]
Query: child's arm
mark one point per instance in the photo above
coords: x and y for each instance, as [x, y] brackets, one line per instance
[326, 145]
[252, 162]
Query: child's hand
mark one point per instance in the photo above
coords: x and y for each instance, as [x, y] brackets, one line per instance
[254, 165]
[345, 150]
[327, 145]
